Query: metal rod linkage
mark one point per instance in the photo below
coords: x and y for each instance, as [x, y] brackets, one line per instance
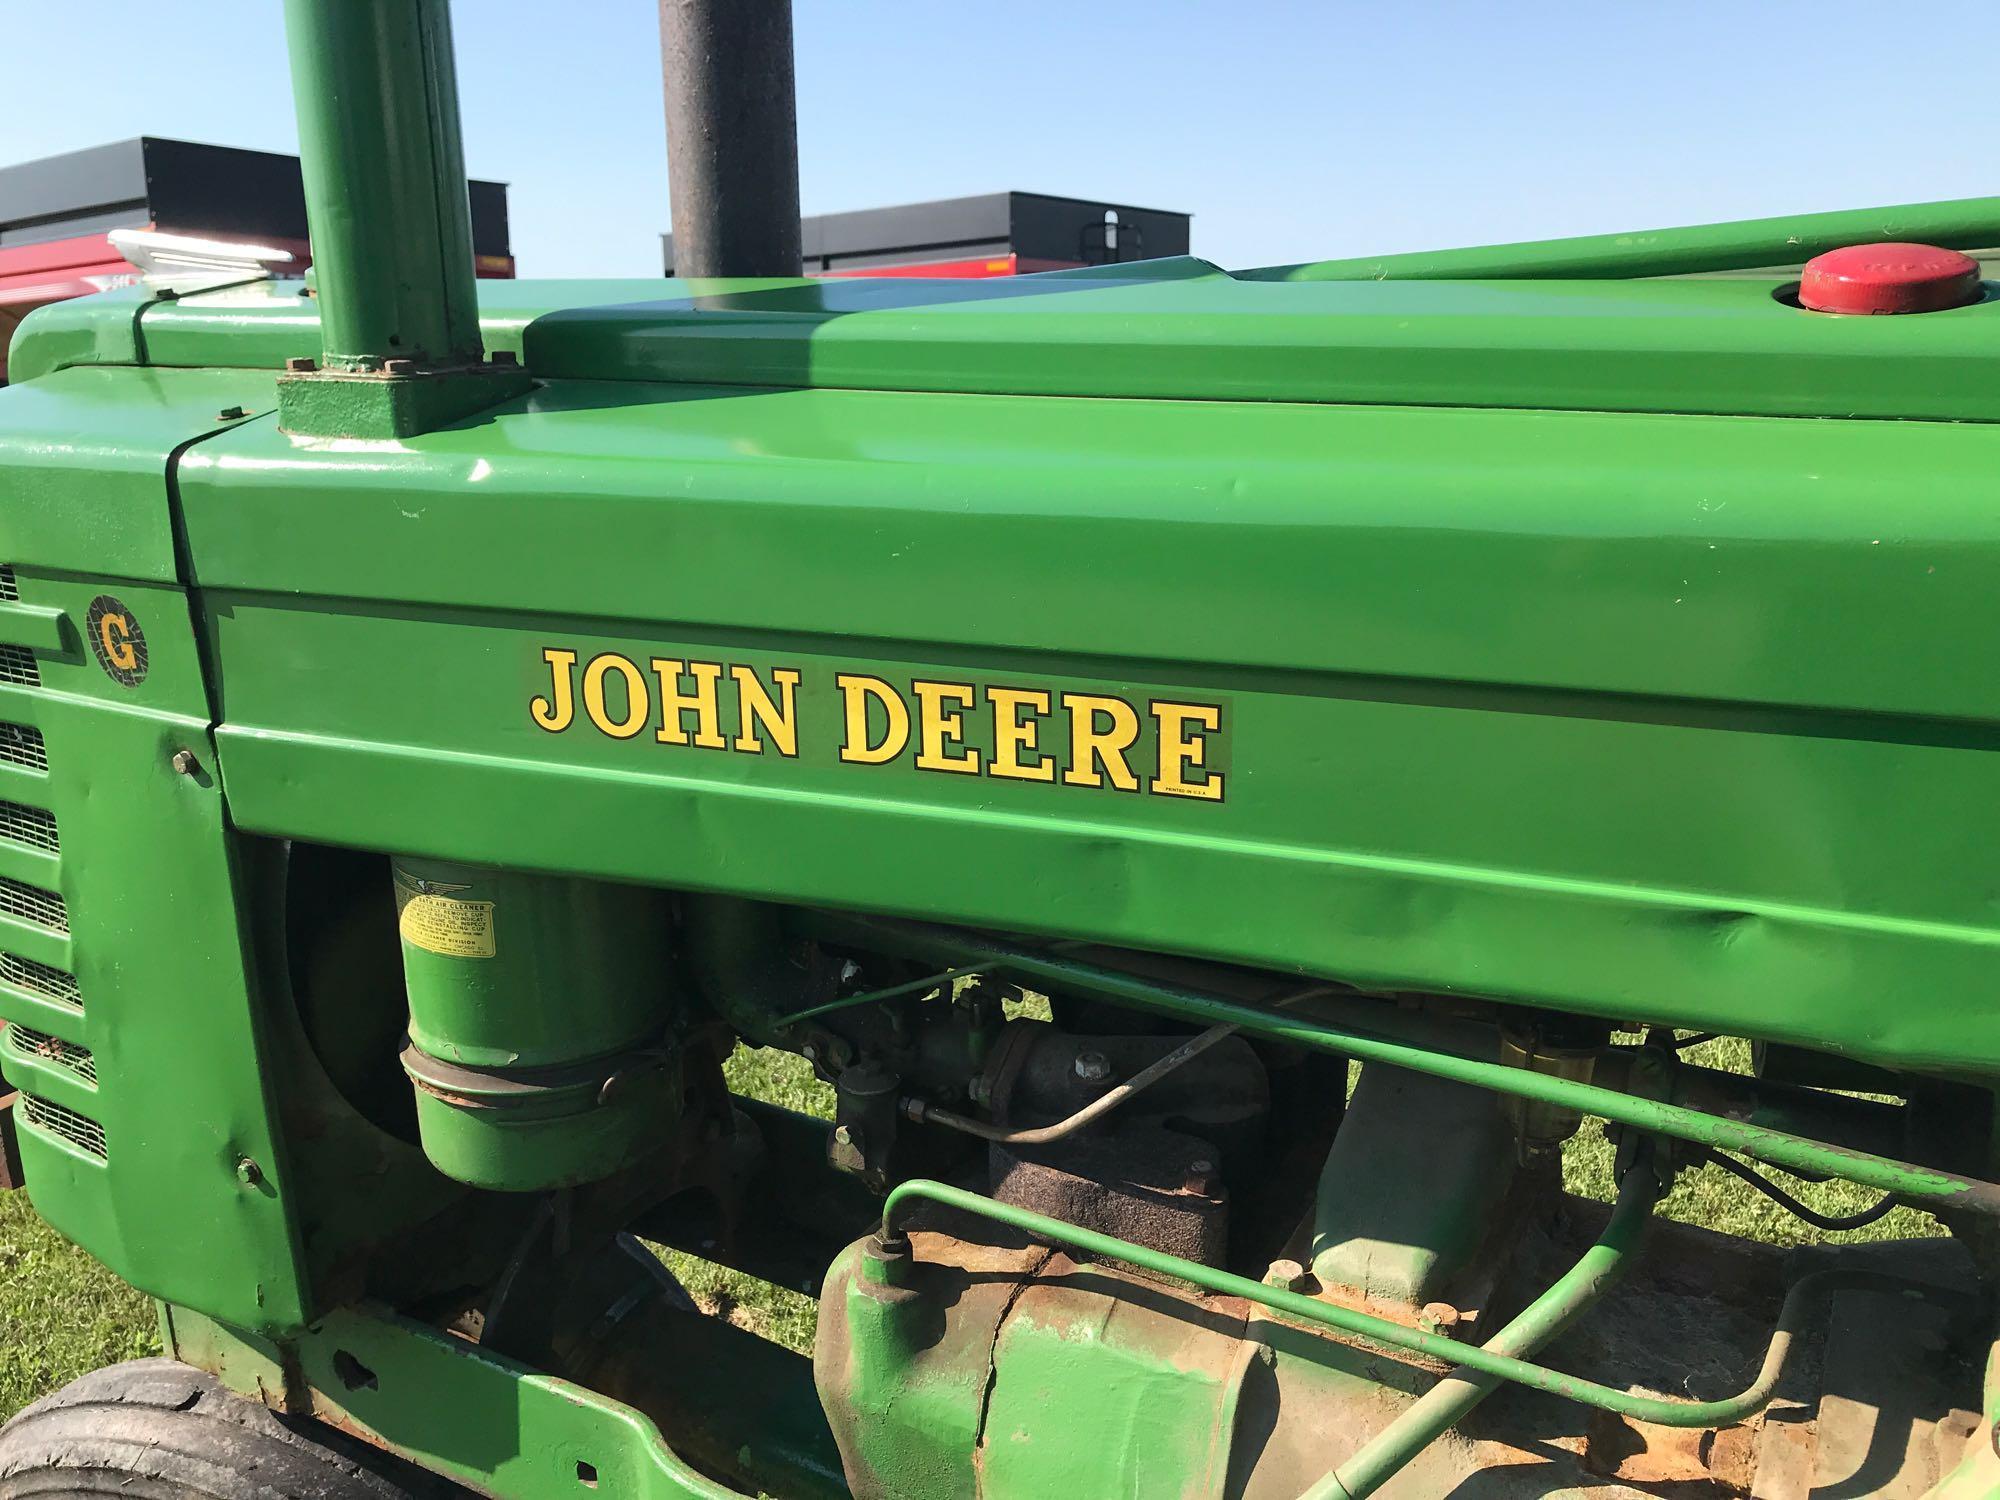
[1692, 249]
[1102, 1105]
[1445, 1404]
[1909, 1181]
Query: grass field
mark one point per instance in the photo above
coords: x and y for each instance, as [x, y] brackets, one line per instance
[62, 1314]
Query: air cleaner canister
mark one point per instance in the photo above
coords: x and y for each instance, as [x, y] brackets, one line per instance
[538, 1023]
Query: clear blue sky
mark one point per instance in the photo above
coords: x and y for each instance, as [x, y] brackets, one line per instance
[1292, 130]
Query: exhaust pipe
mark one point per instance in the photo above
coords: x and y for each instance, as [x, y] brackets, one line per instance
[732, 136]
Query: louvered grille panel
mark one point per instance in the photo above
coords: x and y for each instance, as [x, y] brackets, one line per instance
[66, 1124]
[32, 826]
[40, 979]
[39, 1044]
[33, 904]
[22, 744]
[18, 666]
[10, 591]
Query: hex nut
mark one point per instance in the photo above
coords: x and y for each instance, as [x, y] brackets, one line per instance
[230, 414]
[301, 364]
[183, 761]
[399, 367]
[1092, 1067]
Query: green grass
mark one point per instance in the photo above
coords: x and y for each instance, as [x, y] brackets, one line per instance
[62, 1314]
[778, 1313]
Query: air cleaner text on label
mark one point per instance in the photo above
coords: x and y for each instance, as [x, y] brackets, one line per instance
[1010, 731]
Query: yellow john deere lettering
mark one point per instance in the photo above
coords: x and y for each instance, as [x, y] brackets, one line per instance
[1008, 731]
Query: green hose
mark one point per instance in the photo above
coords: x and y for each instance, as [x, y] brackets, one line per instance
[1659, 1410]
[1445, 1404]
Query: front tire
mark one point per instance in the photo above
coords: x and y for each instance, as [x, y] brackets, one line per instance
[155, 1429]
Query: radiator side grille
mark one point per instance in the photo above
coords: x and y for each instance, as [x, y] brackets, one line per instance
[22, 744]
[10, 591]
[65, 1124]
[33, 904]
[32, 826]
[19, 667]
[39, 1044]
[41, 979]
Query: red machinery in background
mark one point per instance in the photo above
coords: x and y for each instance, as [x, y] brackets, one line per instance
[57, 216]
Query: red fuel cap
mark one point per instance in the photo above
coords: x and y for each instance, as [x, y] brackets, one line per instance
[1890, 278]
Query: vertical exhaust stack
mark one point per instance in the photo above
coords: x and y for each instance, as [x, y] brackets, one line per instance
[391, 224]
[732, 136]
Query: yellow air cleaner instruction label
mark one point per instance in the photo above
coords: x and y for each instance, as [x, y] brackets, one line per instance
[430, 917]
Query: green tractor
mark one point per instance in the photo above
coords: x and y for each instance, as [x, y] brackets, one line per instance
[1220, 776]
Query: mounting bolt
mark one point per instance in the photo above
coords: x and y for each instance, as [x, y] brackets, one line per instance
[183, 761]
[248, 1172]
[230, 414]
[886, 1258]
[1292, 1276]
[399, 367]
[1441, 1315]
[1092, 1067]
[843, 1136]
[1201, 1177]
[504, 357]
[301, 364]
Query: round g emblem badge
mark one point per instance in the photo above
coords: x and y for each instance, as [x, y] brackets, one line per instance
[117, 641]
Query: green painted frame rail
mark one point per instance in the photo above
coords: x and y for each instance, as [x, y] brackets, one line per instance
[478, 1418]
[1908, 1180]
[1661, 1411]
[1689, 250]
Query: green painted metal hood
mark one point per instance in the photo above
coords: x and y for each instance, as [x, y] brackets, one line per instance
[1173, 329]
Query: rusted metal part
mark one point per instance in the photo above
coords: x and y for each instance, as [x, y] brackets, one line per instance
[1805, 1296]
[1147, 1184]
[1446, 1403]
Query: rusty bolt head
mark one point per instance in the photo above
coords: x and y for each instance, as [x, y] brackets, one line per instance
[1441, 1315]
[230, 414]
[301, 364]
[505, 357]
[1202, 1178]
[183, 761]
[1092, 1067]
[843, 1135]
[399, 367]
[1292, 1276]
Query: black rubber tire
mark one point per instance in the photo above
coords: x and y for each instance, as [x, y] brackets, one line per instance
[154, 1429]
